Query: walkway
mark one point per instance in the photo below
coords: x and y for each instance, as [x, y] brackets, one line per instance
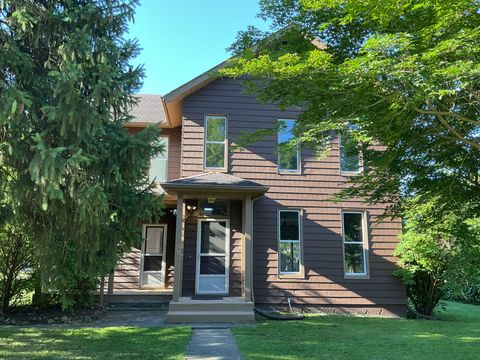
[213, 344]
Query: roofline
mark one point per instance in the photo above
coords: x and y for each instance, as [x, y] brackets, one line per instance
[202, 187]
[204, 78]
[186, 89]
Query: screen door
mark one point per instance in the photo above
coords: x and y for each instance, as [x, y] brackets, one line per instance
[212, 257]
[153, 255]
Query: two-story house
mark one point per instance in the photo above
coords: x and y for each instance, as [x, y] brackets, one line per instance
[253, 226]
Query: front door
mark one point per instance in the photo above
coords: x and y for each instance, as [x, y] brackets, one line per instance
[152, 274]
[212, 256]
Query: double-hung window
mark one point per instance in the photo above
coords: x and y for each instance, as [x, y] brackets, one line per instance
[159, 164]
[290, 243]
[350, 159]
[355, 239]
[288, 154]
[215, 149]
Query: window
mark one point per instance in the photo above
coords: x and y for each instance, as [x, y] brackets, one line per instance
[159, 164]
[350, 161]
[354, 238]
[289, 226]
[288, 156]
[215, 142]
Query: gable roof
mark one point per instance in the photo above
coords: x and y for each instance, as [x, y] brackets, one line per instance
[166, 111]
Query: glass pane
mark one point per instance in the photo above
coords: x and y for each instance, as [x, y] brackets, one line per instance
[219, 207]
[352, 224]
[289, 225]
[287, 157]
[158, 169]
[152, 263]
[354, 263]
[212, 265]
[349, 154]
[215, 128]
[213, 237]
[289, 257]
[285, 131]
[154, 240]
[215, 155]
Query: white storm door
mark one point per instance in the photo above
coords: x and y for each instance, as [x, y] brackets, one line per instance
[212, 265]
[153, 255]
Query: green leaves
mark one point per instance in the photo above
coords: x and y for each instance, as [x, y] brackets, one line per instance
[404, 72]
[79, 179]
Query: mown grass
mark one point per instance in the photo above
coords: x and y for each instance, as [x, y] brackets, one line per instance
[94, 343]
[456, 336]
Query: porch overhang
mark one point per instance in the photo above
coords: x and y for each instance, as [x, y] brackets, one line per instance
[215, 184]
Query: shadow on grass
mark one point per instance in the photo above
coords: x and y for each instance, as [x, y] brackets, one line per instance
[346, 337]
[88, 343]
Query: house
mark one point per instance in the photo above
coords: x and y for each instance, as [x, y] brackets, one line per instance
[253, 226]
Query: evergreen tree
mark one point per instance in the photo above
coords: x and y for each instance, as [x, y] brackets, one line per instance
[66, 86]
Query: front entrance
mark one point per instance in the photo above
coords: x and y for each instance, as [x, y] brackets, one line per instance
[153, 262]
[212, 263]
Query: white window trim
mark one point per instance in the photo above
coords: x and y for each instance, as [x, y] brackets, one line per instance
[297, 241]
[227, 257]
[348, 172]
[288, 171]
[224, 142]
[162, 156]
[364, 244]
[163, 255]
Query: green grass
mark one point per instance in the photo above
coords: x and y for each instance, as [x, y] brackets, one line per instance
[457, 336]
[94, 343]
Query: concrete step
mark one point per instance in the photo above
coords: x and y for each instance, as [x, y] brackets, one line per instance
[185, 317]
[209, 305]
[138, 305]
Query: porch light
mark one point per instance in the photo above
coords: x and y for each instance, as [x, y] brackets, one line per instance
[211, 200]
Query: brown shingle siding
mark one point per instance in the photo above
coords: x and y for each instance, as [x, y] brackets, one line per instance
[324, 282]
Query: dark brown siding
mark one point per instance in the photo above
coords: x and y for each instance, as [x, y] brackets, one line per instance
[324, 282]
[127, 272]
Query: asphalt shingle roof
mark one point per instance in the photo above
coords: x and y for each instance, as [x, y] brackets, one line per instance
[216, 179]
[149, 109]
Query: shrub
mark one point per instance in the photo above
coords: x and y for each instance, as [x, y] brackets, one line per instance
[438, 254]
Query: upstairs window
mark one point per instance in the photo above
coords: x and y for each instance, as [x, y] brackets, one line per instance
[288, 156]
[215, 149]
[354, 239]
[159, 164]
[350, 160]
[289, 241]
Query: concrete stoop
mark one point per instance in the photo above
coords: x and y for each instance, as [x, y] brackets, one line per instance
[210, 311]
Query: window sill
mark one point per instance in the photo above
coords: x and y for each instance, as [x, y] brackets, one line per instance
[286, 172]
[359, 277]
[350, 173]
[214, 170]
[299, 276]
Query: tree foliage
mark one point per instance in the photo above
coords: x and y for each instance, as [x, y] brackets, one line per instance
[405, 73]
[80, 179]
[439, 252]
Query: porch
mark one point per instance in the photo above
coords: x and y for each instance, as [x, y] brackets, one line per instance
[197, 259]
[213, 262]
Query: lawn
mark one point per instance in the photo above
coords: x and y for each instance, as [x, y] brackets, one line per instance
[456, 336]
[97, 343]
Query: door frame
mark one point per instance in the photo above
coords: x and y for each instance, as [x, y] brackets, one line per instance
[163, 272]
[227, 256]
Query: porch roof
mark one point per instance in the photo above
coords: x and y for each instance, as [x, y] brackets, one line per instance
[214, 182]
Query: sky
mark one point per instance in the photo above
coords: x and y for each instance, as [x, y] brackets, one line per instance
[184, 38]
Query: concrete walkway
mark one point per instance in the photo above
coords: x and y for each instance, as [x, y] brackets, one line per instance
[213, 344]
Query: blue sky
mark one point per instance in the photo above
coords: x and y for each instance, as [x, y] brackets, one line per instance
[183, 38]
